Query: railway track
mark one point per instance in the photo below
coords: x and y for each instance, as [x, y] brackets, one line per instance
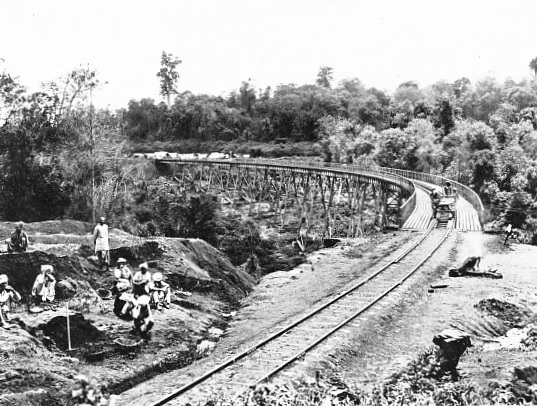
[279, 351]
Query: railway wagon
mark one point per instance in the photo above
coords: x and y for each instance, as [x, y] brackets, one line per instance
[446, 208]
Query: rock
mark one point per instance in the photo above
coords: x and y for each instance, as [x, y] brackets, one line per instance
[81, 331]
[19, 341]
[215, 332]
[66, 288]
[86, 299]
[85, 251]
[205, 347]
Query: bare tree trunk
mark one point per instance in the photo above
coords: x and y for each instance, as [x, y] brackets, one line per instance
[92, 153]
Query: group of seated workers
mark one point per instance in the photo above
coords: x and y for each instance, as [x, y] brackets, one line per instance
[142, 283]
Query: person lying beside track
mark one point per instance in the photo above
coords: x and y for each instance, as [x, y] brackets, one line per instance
[470, 267]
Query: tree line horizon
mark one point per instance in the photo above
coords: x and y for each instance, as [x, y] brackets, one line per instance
[482, 134]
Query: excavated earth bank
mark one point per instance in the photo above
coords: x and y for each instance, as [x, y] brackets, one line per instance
[39, 368]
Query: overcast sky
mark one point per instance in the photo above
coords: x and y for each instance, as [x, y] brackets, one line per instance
[225, 42]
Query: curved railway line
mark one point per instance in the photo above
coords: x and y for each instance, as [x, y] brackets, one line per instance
[278, 352]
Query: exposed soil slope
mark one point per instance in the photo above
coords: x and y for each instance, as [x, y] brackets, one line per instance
[38, 366]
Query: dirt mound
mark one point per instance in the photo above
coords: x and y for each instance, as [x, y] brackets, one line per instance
[23, 268]
[81, 331]
[18, 341]
[511, 315]
[231, 284]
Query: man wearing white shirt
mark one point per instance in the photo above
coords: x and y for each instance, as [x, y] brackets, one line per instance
[100, 239]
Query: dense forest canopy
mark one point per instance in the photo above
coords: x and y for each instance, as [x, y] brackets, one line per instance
[482, 134]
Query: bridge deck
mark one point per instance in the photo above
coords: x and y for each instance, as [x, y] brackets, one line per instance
[467, 218]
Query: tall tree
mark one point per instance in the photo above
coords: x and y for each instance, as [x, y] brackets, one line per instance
[461, 86]
[72, 88]
[247, 96]
[168, 75]
[324, 77]
[533, 66]
[12, 97]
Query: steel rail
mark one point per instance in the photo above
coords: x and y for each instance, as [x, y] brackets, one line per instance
[284, 330]
[350, 318]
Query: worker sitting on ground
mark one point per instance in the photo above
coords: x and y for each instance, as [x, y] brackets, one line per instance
[160, 292]
[140, 287]
[124, 297]
[44, 289]
[449, 190]
[123, 272]
[7, 296]
[141, 281]
[18, 242]
[435, 201]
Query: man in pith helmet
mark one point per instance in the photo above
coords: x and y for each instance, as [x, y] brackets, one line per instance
[123, 272]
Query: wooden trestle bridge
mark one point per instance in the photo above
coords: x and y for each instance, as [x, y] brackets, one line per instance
[322, 200]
